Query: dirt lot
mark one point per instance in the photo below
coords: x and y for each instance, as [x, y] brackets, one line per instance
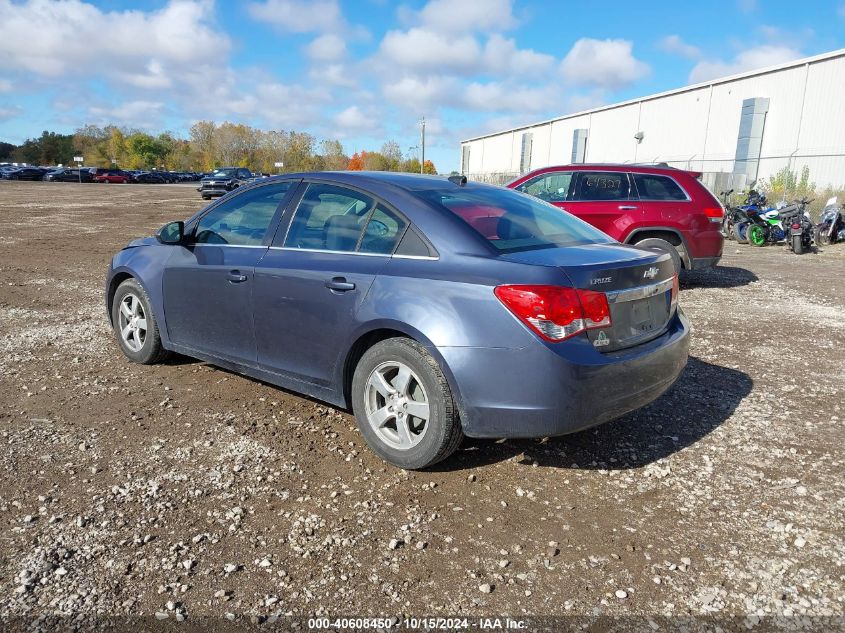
[184, 489]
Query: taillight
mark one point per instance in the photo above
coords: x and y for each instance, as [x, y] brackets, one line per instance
[556, 312]
[675, 290]
[715, 214]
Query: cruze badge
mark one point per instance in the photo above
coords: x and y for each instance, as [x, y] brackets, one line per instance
[600, 280]
[651, 273]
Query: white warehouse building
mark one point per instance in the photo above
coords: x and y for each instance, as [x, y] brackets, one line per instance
[735, 130]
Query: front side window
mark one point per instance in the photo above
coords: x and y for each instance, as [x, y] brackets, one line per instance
[242, 220]
[652, 187]
[603, 185]
[511, 221]
[551, 187]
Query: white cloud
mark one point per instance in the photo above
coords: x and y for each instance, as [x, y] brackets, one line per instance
[140, 113]
[749, 59]
[448, 16]
[421, 94]
[499, 97]
[326, 47]
[306, 16]
[603, 63]
[501, 55]
[6, 85]
[54, 39]
[420, 49]
[675, 45]
[9, 112]
[353, 120]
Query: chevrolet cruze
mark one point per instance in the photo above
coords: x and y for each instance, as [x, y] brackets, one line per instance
[434, 308]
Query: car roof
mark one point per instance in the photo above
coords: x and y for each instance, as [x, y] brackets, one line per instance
[644, 168]
[400, 180]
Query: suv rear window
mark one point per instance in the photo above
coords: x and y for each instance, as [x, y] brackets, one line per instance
[512, 221]
[653, 187]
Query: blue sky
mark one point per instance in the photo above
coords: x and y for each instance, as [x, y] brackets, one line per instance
[365, 71]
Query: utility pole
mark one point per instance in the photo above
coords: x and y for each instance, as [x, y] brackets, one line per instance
[422, 144]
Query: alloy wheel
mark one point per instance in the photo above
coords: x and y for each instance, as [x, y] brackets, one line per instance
[397, 405]
[132, 322]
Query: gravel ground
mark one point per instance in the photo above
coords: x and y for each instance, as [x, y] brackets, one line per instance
[182, 490]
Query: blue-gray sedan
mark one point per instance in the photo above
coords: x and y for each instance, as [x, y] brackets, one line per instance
[434, 308]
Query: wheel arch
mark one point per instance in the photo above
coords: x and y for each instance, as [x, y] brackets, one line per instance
[671, 235]
[381, 331]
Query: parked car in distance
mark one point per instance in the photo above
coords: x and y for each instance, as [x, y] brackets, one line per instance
[149, 178]
[118, 176]
[222, 181]
[432, 307]
[25, 173]
[651, 206]
[67, 174]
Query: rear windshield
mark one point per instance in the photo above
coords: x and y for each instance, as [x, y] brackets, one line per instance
[513, 221]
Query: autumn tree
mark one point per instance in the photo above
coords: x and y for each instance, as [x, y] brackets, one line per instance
[356, 163]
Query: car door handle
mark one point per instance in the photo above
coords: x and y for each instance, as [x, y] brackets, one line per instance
[627, 207]
[236, 277]
[339, 284]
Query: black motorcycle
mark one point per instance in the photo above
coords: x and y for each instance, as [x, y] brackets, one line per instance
[831, 227]
[797, 227]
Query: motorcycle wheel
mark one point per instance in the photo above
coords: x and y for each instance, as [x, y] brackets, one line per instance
[756, 235]
[823, 236]
[797, 244]
[740, 232]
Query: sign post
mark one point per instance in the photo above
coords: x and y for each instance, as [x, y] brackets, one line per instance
[79, 160]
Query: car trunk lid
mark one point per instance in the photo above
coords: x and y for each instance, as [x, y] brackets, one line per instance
[638, 285]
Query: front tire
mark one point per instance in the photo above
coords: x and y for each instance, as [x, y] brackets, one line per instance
[404, 406]
[756, 235]
[135, 326]
[740, 231]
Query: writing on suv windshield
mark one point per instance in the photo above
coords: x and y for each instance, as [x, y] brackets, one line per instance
[512, 221]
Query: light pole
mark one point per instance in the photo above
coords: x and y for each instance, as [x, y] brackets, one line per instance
[422, 145]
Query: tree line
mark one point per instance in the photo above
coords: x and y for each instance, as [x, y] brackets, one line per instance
[208, 146]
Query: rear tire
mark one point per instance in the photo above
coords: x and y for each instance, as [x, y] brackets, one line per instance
[797, 244]
[383, 402]
[740, 232]
[135, 325]
[657, 244]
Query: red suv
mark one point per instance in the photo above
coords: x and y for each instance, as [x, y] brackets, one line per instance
[648, 205]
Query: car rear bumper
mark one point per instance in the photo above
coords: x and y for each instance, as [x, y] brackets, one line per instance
[545, 390]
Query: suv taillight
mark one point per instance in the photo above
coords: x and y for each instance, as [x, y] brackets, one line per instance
[556, 312]
[715, 214]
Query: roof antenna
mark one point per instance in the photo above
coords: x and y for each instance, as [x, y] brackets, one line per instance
[458, 180]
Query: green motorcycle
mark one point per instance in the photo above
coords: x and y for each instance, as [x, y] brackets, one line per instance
[764, 227]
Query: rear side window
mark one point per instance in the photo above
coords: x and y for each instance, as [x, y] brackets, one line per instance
[329, 218]
[603, 185]
[384, 229]
[511, 221]
[653, 187]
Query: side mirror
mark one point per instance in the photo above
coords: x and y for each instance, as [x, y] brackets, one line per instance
[171, 233]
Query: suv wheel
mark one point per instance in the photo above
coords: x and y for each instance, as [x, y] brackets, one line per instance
[404, 406]
[657, 244]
